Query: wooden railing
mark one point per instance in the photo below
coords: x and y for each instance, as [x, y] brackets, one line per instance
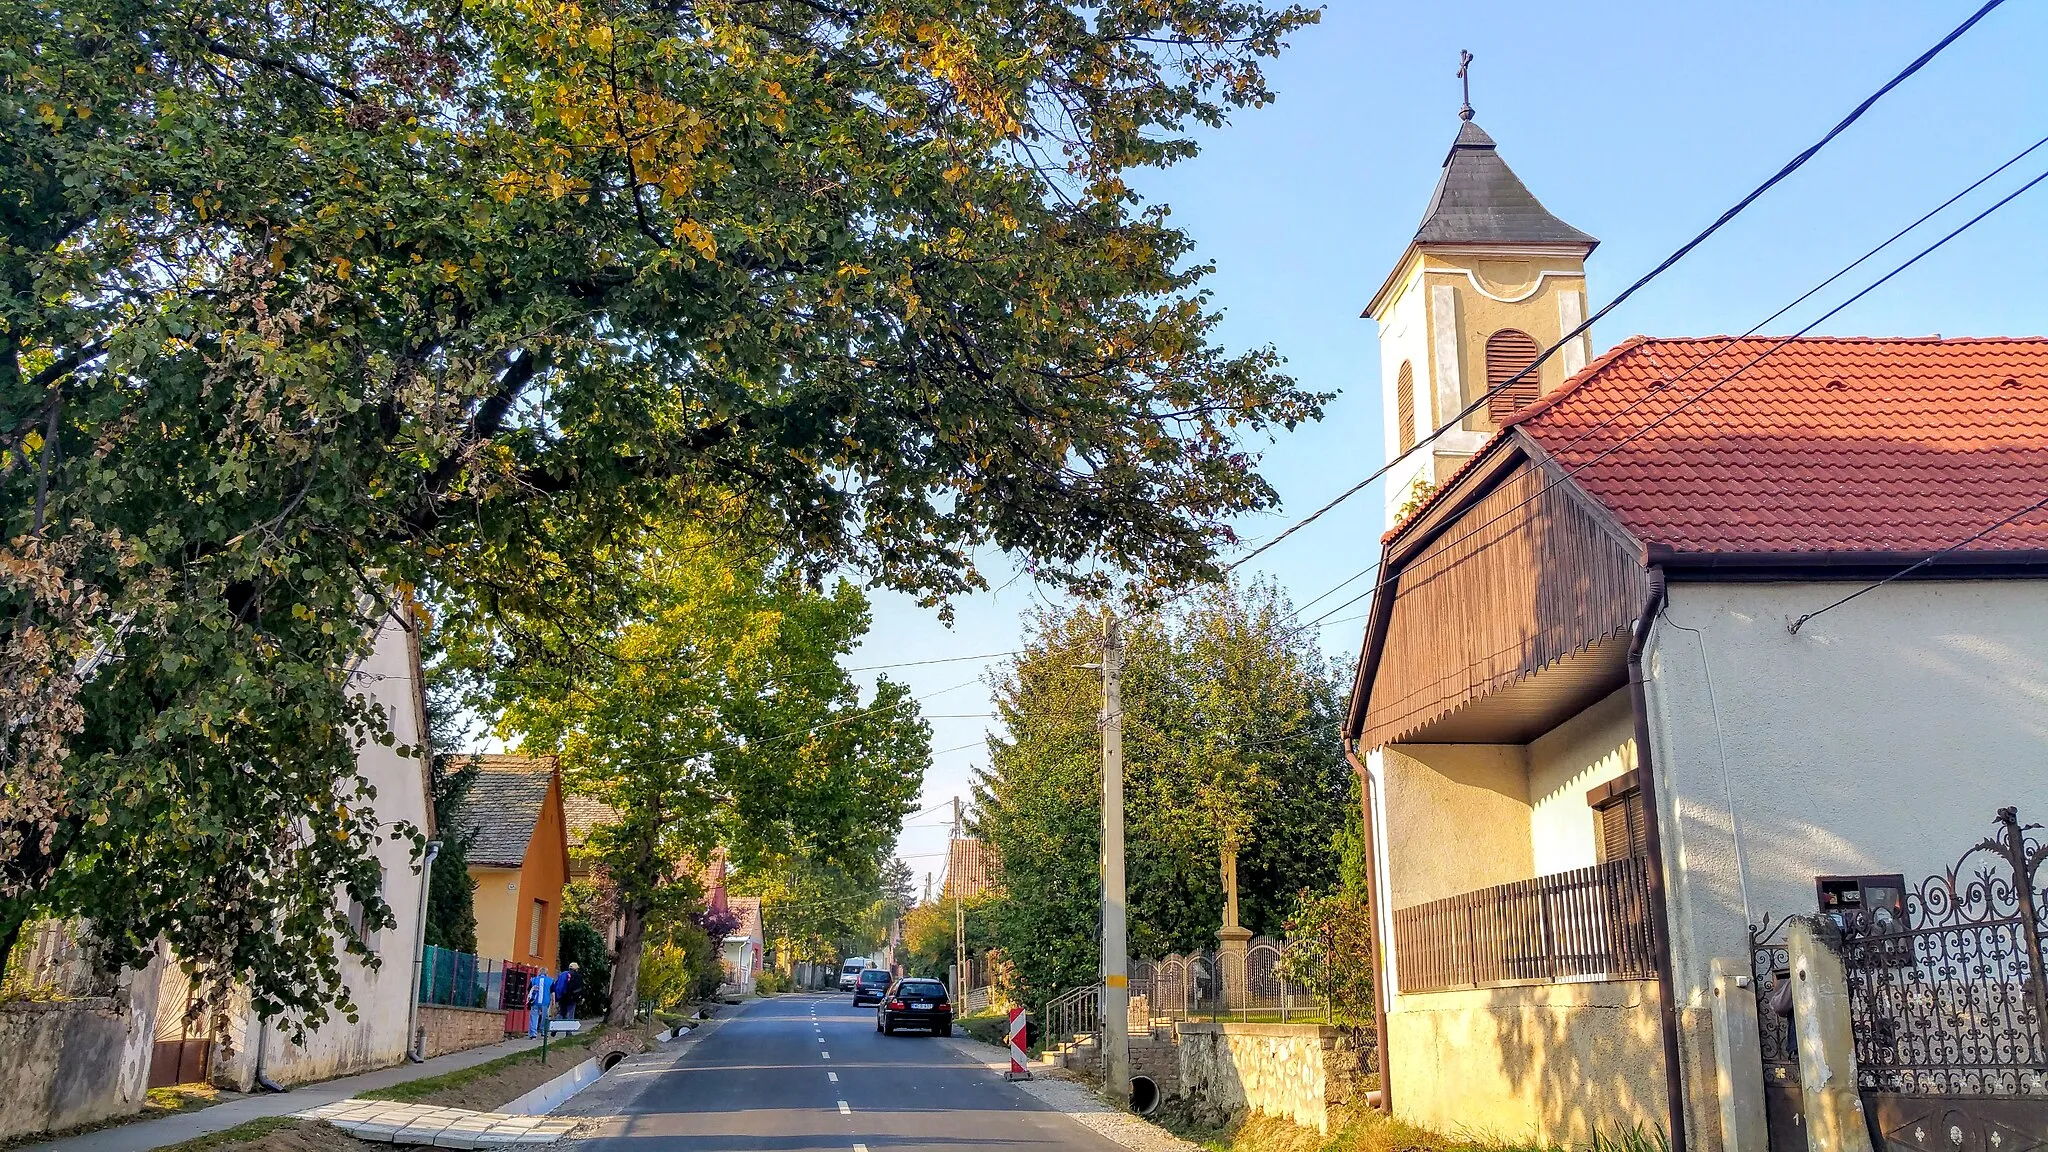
[1586, 924]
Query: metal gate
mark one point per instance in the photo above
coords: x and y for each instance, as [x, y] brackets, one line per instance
[1949, 1009]
[182, 1051]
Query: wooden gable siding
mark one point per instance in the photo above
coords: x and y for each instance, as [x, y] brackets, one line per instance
[1526, 575]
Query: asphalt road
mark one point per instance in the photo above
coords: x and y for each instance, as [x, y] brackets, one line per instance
[811, 1074]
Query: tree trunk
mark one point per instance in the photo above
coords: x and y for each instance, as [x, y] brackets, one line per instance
[625, 1004]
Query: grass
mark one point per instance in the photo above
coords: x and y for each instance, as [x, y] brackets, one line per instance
[1372, 1132]
[156, 1102]
[247, 1130]
[413, 1090]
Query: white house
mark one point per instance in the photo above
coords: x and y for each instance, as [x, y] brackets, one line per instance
[389, 675]
[1717, 632]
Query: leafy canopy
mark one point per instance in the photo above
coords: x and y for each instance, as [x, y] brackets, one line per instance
[1230, 737]
[306, 304]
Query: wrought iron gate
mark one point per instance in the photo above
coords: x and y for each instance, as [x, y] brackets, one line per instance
[1949, 1008]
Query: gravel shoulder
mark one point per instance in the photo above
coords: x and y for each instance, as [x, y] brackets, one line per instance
[1079, 1103]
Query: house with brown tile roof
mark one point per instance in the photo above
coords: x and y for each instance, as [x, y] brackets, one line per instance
[970, 868]
[518, 856]
[1718, 632]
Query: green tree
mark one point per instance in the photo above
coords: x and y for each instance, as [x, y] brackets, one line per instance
[306, 303]
[1230, 720]
[717, 716]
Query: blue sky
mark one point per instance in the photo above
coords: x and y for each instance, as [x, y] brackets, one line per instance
[1638, 123]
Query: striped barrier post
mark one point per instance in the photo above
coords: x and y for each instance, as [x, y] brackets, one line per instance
[1017, 1069]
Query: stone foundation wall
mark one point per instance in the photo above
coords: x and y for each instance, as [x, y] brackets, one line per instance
[1298, 1072]
[454, 1029]
[1157, 1056]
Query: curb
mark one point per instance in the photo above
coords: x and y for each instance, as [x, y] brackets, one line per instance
[556, 1092]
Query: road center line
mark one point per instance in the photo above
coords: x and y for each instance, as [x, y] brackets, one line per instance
[844, 1110]
[826, 1055]
[860, 1148]
[834, 1076]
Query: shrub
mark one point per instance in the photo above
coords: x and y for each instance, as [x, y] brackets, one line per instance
[1329, 951]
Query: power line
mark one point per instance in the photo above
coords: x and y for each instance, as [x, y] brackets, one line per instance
[1791, 166]
[2036, 506]
[1782, 343]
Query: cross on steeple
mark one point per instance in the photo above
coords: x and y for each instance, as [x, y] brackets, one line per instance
[1465, 78]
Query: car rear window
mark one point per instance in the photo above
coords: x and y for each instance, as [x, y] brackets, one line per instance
[874, 976]
[931, 988]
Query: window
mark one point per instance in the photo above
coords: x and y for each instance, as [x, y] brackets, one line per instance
[1618, 811]
[1404, 388]
[1508, 352]
[540, 915]
[359, 917]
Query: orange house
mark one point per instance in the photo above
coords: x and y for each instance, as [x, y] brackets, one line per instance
[518, 857]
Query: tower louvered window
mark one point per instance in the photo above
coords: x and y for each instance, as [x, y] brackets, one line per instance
[1404, 388]
[1509, 351]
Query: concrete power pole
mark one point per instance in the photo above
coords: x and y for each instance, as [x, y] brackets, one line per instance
[1116, 981]
[959, 920]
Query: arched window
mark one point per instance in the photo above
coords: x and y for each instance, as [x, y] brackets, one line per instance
[1508, 352]
[1404, 389]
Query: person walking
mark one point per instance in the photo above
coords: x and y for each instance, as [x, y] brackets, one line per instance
[565, 989]
[536, 1004]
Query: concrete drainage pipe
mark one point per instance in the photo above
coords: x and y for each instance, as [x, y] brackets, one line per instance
[1144, 1095]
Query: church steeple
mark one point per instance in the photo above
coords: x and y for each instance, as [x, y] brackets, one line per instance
[1490, 278]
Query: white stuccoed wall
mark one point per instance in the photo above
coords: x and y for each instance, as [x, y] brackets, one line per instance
[383, 995]
[1881, 738]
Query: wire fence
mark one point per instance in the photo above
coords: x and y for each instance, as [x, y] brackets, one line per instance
[461, 980]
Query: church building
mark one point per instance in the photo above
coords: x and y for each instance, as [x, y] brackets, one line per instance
[1670, 645]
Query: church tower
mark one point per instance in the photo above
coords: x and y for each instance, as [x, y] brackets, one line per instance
[1490, 279]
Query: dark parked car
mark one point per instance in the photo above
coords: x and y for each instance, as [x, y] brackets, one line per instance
[870, 986]
[915, 1003]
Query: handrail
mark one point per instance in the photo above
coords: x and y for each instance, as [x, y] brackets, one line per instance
[1071, 1013]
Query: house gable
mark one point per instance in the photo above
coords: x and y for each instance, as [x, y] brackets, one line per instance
[1510, 572]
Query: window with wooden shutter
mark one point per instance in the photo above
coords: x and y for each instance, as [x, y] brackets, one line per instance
[1618, 811]
[1508, 352]
[1404, 387]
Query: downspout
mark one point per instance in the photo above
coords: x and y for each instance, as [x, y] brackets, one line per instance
[1653, 845]
[262, 1038]
[1379, 966]
[415, 1041]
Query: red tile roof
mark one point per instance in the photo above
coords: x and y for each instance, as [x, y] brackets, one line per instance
[1824, 445]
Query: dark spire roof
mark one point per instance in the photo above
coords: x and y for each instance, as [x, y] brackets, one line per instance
[1480, 200]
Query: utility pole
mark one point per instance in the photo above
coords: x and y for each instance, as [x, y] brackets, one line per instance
[1116, 981]
[959, 916]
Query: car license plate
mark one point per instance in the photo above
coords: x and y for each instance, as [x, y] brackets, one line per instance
[925, 1007]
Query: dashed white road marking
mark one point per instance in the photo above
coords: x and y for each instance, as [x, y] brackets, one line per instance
[844, 1110]
[826, 1055]
[821, 1039]
[834, 1076]
[860, 1148]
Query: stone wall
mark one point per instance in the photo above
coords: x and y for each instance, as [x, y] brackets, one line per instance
[454, 1029]
[1298, 1072]
[77, 1061]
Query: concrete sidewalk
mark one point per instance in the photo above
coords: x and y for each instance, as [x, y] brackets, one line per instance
[142, 1135]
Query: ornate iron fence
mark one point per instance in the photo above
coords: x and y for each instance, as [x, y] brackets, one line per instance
[1950, 1001]
[1218, 985]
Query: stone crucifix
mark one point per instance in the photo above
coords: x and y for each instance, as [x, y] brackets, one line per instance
[1229, 885]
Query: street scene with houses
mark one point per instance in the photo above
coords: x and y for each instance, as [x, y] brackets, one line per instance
[850, 577]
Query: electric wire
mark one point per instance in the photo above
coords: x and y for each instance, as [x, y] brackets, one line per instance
[1695, 398]
[1791, 166]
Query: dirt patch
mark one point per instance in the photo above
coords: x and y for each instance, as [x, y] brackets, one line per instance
[494, 1090]
[278, 1134]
